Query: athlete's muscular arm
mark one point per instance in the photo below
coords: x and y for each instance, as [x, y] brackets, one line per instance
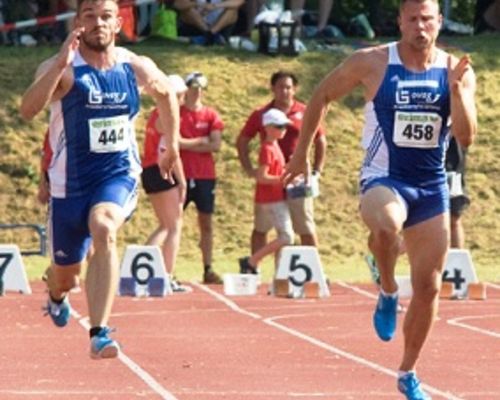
[339, 82]
[53, 78]
[206, 144]
[463, 107]
[156, 84]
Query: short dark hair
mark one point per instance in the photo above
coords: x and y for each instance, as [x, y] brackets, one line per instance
[80, 2]
[403, 2]
[284, 74]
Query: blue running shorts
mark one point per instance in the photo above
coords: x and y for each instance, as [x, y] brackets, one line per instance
[68, 217]
[422, 202]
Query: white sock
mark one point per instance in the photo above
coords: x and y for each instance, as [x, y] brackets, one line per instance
[392, 295]
[402, 374]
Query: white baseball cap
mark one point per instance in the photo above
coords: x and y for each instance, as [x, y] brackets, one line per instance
[196, 79]
[177, 83]
[276, 117]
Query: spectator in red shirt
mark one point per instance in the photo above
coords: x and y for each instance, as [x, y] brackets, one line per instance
[201, 130]
[167, 198]
[283, 86]
[269, 192]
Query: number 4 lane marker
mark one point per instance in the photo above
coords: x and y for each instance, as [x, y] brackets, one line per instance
[328, 347]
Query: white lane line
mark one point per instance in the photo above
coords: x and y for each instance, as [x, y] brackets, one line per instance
[488, 332]
[356, 289]
[493, 285]
[293, 332]
[133, 366]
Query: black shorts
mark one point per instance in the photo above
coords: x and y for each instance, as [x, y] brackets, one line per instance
[202, 193]
[458, 205]
[153, 182]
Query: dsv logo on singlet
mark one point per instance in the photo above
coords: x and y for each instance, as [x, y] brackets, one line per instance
[97, 96]
[406, 96]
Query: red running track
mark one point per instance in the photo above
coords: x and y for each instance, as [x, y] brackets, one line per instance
[204, 345]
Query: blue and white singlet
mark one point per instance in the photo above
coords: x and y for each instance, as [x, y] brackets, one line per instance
[407, 124]
[92, 132]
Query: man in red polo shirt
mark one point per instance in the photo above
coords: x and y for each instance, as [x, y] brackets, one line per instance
[283, 86]
[201, 130]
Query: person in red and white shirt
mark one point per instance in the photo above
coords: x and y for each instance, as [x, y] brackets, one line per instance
[283, 86]
[269, 191]
[201, 135]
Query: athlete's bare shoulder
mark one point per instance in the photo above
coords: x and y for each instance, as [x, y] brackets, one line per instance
[66, 81]
[149, 77]
[370, 64]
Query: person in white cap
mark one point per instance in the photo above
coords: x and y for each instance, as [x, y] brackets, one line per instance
[269, 192]
[283, 85]
[201, 135]
[167, 197]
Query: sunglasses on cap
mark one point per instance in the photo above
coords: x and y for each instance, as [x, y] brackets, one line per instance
[197, 79]
[278, 126]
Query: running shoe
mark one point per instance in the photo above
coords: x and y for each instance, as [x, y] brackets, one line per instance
[102, 346]
[409, 385]
[245, 267]
[384, 318]
[211, 277]
[177, 287]
[60, 313]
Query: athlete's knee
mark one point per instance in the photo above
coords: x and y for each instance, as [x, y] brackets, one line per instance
[427, 290]
[65, 281]
[386, 233]
[104, 233]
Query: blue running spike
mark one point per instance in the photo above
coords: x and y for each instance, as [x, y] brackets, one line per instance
[102, 346]
[60, 313]
[385, 316]
[409, 385]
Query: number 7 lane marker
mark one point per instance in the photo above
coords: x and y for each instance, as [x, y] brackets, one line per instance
[135, 368]
[328, 347]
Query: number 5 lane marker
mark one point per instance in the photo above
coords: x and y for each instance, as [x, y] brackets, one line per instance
[328, 347]
[135, 368]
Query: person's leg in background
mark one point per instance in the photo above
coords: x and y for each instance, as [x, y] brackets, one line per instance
[189, 15]
[168, 210]
[302, 213]
[262, 224]
[457, 207]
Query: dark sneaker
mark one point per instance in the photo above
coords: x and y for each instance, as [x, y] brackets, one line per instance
[211, 277]
[102, 346]
[385, 317]
[60, 313]
[409, 385]
[245, 267]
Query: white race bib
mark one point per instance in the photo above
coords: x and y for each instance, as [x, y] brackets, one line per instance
[417, 129]
[109, 135]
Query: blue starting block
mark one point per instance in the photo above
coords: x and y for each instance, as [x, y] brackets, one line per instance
[128, 287]
[156, 287]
